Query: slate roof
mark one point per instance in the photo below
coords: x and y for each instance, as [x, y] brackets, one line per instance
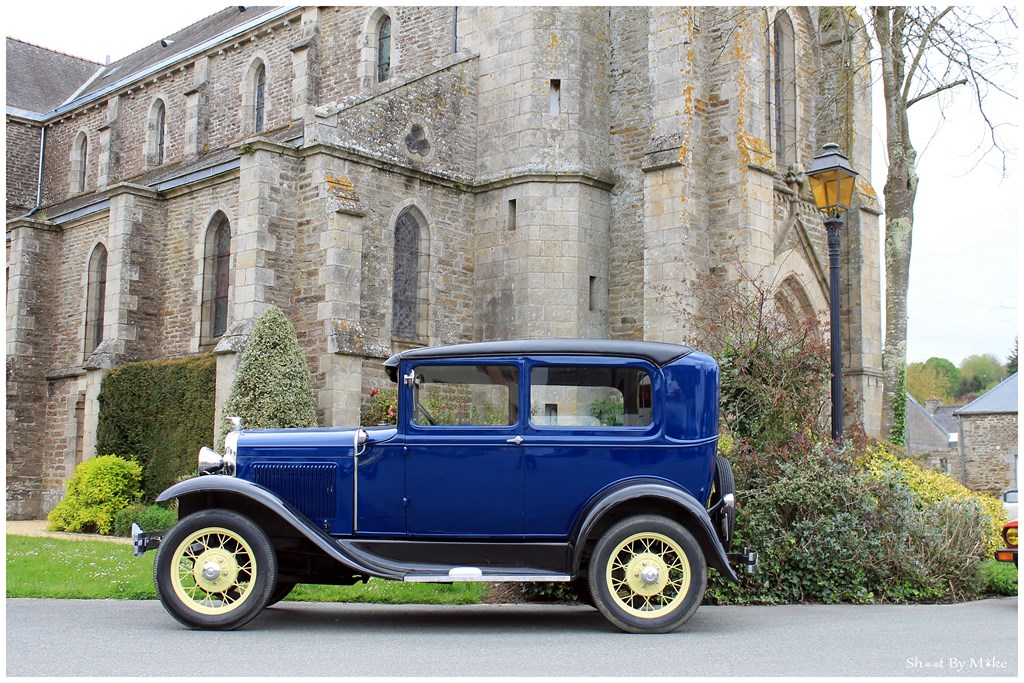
[1000, 399]
[945, 416]
[923, 430]
[179, 42]
[39, 80]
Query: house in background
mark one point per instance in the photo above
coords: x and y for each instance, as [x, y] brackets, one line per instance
[932, 434]
[988, 440]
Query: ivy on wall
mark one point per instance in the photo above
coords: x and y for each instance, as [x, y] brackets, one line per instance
[159, 413]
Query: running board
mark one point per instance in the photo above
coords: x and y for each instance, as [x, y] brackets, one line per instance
[476, 574]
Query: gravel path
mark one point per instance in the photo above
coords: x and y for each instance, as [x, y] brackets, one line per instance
[37, 527]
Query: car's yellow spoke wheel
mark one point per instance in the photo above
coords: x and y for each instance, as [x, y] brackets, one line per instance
[648, 575]
[213, 571]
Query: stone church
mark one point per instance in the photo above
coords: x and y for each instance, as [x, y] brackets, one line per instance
[401, 176]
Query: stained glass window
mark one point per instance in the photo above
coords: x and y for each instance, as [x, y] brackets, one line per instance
[405, 308]
[384, 50]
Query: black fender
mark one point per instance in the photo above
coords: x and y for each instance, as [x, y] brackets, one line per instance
[357, 562]
[694, 516]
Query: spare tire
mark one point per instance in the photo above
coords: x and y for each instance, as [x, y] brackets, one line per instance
[725, 517]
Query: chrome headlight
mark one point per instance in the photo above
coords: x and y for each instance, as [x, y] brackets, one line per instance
[212, 462]
[230, 452]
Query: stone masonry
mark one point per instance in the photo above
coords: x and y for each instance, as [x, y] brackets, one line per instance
[569, 172]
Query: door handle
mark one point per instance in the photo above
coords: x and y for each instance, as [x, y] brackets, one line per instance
[518, 440]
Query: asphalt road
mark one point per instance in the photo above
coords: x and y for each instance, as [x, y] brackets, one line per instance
[127, 638]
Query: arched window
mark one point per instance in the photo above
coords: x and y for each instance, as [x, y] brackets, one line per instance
[259, 98]
[79, 162]
[384, 49]
[409, 277]
[157, 139]
[216, 278]
[96, 293]
[783, 83]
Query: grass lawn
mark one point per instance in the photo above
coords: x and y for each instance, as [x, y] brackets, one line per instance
[58, 568]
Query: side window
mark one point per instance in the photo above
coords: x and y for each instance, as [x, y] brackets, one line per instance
[466, 395]
[590, 396]
[96, 294]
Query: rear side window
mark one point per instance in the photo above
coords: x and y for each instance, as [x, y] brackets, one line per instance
[590, 396]
[466, 395]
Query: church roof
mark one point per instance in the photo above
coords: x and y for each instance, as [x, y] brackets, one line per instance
[40, 80]
[1000, 399]
[174, 44]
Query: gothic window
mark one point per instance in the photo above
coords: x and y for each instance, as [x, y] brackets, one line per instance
[259, 94]
[255, 109]
[156, 143]
[79, 162]
[783, 84]
[384, 49]
[409, 276]
[96, 293]
[216, 279]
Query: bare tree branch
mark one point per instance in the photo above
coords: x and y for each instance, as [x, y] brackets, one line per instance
[936, 91]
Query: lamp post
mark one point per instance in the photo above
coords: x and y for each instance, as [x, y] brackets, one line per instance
[832, 180]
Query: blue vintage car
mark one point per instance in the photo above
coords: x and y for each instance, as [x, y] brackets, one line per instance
[591, 461]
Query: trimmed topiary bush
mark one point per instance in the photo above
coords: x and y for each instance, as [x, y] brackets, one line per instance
[162, 412]
[273, 387]
[98, 489]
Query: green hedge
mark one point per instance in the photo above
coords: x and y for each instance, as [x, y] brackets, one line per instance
[160, 412]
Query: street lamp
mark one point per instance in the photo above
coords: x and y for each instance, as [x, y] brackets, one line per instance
[832, 180]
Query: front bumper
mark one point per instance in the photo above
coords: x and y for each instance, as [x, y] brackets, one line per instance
[145, 540]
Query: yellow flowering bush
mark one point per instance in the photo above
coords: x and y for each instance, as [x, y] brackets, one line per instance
[931, 487]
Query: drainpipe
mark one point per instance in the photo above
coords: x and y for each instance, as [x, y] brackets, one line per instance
[455, 29]
[39, 181]
[963, 454]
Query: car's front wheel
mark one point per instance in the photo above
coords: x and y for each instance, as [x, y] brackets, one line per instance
[215, 570]
[647, 574]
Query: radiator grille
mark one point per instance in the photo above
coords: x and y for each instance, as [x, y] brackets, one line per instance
[312, 488]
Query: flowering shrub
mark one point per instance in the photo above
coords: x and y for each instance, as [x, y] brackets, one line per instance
[382, 408]
[931, 488]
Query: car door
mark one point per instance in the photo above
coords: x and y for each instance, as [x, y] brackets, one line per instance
[464, 467]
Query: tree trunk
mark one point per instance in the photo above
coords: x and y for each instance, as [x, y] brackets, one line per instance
[900, 193]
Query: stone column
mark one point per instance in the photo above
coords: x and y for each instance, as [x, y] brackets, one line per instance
[132, 209]
[108, 157]
[32, 251]
[253, 246]
[305, 66]
[195, 111]
[341, 209]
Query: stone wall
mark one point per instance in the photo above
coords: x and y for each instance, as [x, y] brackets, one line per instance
[989, 446]
[22, 166]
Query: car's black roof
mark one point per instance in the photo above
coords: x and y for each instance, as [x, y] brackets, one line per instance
[656, 352]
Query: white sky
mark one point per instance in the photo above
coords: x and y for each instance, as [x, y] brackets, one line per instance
[964, 282]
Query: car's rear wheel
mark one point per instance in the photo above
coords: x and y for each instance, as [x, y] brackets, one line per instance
[647, 574]
[215, 570]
